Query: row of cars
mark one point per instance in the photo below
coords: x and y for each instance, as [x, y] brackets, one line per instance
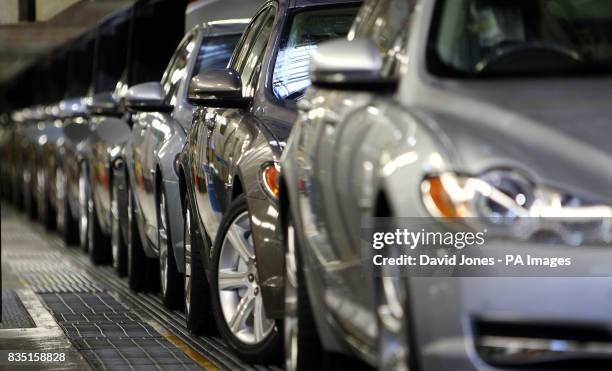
[238, 189]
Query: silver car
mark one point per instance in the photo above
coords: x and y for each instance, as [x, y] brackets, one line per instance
[162, 118]
[453, 108]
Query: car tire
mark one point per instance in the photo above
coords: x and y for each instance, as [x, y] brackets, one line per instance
[198, 311]
[237, 302]
[98, 242]
[84, 195]
[171, 281]
[30, 197]
[17, 195]
[46, 211]
[302, 345]
[119, 247]
[139, 266]
[303, 349]
[67, 226]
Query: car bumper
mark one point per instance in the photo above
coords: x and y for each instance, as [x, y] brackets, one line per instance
[474, 323]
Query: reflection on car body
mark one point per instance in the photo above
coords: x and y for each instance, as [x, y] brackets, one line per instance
[230, 166]
[438, 93]
[157, 137]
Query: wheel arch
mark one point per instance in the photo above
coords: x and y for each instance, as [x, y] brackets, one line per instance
[237, 187]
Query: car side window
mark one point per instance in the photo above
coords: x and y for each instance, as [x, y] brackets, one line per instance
[386, 22]
[248, 61]
[177, 69]
[246, 41]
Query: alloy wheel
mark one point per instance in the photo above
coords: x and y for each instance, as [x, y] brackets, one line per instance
[238, 284]
[291, 304]
[130, 232]
[83, 206]
[61, 196]
[188, 267]
[163, 244]
[391, 318]
[115, 228]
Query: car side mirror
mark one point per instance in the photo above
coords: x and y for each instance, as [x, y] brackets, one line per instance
[218, 88]
[102, 103]
[148, 96]
[349, 65]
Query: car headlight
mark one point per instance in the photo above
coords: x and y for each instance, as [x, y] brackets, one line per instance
[509, 205]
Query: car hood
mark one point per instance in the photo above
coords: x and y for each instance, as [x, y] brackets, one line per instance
[557, 131]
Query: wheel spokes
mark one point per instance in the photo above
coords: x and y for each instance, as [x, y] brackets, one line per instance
[231, 279]
[238, 286]
[238, 241]
[258, 319]
[187, 245]
[245, 307]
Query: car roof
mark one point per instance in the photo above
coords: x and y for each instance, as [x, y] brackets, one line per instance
[226, 27]
[303, 3]
[206, 11]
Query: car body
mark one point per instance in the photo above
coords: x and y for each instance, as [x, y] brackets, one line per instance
[157, 137]
[5, 139]
[230, 163]
[61, 155]
[104, 173]
[408, 110]
[12, 156]
[36, 151]
[201, 11]
[64, 167]
[39, 135]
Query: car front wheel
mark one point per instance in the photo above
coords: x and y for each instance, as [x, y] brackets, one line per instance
[198, 314]
[118, 244]
[99, 243]
[83, 207]
[237, 301]
[170, 278]
[140, 267]
[66, 224]
[303, 349]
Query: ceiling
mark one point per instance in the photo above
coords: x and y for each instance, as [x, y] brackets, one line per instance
[24, 43]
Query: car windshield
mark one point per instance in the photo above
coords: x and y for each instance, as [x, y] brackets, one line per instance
[473, 38]
[215, 52]
[306, 29]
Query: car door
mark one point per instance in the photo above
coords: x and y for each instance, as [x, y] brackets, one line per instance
[227, 128]
[150, 128]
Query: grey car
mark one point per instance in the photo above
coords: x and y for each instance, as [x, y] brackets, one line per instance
[162, 117]
[30, 136]
[13, 157]
[452, 108]
[43, 140]
[230, 170]
[62, 169]
[101, 179]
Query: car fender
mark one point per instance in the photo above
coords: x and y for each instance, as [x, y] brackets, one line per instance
[167, 157]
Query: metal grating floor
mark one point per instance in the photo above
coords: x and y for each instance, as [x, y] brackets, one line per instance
[107, 323]
[14, 314]
[110, 337]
